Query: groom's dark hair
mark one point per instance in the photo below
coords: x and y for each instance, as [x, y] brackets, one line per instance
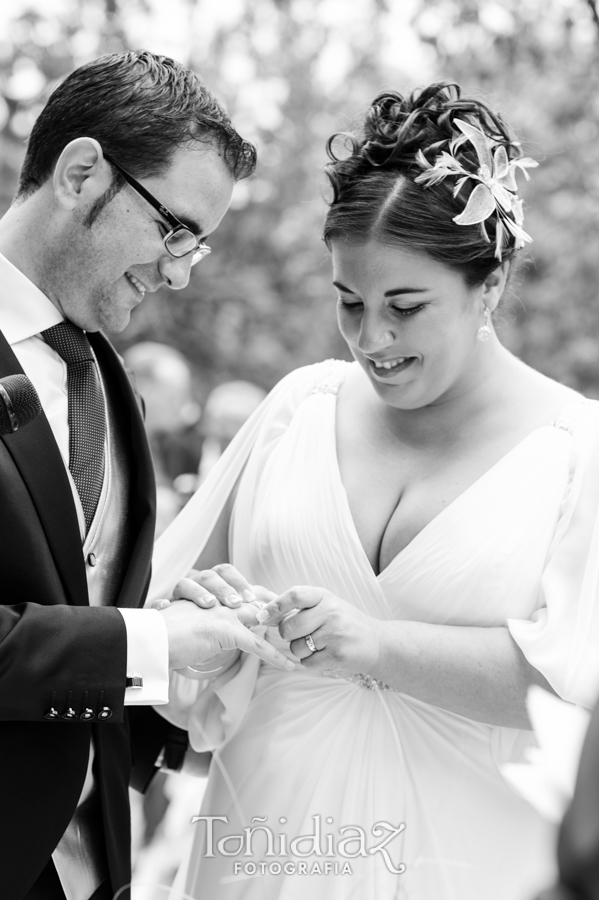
[140, 108]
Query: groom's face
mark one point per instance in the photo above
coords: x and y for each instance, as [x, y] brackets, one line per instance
[108, 266]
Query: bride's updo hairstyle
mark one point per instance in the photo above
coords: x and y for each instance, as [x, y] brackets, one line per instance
[376, 195]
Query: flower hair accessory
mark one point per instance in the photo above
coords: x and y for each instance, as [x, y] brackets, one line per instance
[496, 191]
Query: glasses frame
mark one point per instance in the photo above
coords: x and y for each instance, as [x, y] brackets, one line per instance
[200, 250]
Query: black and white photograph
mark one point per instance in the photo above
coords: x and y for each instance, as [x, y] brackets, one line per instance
[299, 450]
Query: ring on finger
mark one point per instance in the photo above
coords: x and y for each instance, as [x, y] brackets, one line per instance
[310, 643]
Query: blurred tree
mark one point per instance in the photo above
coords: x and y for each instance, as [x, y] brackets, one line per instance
[262, 304]
[539, 61]
[38, 49]
[292, 72]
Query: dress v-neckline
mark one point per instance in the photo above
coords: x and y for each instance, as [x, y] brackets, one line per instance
[447, 510]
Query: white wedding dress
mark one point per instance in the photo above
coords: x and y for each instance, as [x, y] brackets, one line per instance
[303, 754]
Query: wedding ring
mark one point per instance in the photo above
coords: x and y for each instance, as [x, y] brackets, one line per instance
[310, 643]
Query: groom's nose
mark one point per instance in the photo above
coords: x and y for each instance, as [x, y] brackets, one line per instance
[175, 271]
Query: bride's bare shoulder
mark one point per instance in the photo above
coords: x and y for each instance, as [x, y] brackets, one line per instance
[544, 394]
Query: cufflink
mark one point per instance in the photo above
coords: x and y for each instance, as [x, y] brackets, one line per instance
[135, 682]
[52, 712]
[86, 713]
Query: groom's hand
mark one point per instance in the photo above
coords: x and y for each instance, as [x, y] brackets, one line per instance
[222, 584]
[195, 635]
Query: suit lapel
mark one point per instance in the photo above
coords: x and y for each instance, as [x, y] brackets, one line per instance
[142, 508]
[37, 457]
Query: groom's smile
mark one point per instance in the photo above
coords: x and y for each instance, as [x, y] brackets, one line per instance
[106, 268]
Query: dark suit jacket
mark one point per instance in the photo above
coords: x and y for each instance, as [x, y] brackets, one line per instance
[51, 641]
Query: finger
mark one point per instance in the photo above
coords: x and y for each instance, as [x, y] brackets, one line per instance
[238, 582]
[299, 623]
[186, 589]
[252, 643]
[247, 614]
[263, 595]
[321, 661]
[230, 591]
[301, 649]
[301, 597]
[211, 582]
[159, 604]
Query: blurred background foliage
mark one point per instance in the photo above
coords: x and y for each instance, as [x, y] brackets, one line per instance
[291, 72]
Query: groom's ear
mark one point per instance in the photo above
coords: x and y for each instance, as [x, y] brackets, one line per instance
[81, 174]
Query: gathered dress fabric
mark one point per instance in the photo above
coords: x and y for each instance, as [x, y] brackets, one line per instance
[395, 798]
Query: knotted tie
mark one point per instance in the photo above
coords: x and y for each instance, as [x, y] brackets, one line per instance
[87, 418]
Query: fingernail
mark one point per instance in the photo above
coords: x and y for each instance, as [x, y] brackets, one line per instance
[289, 664]
[248, 596]
[262, 615]
[207, 598]
[234, 599]
[162, 604]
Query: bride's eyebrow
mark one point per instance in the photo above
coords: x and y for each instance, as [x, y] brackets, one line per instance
[394, 293]
[407, 290]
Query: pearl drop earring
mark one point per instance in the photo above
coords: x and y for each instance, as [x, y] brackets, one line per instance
[484, 332]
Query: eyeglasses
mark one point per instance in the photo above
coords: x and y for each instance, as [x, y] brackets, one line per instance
[180, 240]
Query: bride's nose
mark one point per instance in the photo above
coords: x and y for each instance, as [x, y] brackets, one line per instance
[374, 337]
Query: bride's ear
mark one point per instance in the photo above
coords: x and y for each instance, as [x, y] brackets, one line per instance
[494, 285]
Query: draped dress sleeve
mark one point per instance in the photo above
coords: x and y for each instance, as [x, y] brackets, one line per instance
[561, 639]
[211, 711]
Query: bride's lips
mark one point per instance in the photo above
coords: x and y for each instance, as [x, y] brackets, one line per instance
[384, 370]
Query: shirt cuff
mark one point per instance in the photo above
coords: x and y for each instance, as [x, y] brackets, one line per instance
[147, 656]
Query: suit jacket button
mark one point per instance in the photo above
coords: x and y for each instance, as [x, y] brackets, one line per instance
[86, 713]
[52, 712]
[69, 713]
[104, 713]
[91, 559]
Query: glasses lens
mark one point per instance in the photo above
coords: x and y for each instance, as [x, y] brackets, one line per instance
[181, 242]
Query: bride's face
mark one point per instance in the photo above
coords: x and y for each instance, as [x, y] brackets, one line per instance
[409, 321]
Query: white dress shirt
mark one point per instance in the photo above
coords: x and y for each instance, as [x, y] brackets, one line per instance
[25, 312]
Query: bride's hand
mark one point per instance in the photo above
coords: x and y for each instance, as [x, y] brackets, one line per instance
[346, 639]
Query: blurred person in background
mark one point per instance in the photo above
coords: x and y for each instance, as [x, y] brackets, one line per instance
[81, 663]
[227, 407]
[428, 517]
[578, 842]
[163, 378]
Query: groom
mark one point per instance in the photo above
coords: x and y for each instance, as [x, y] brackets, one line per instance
[129, 167]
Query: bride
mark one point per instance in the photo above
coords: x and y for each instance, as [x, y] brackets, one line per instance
[424, 521]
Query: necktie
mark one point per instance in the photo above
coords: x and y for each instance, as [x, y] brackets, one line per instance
[87, 418]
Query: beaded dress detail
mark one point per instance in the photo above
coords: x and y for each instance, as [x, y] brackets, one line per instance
[331, 375]
[572, 414]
